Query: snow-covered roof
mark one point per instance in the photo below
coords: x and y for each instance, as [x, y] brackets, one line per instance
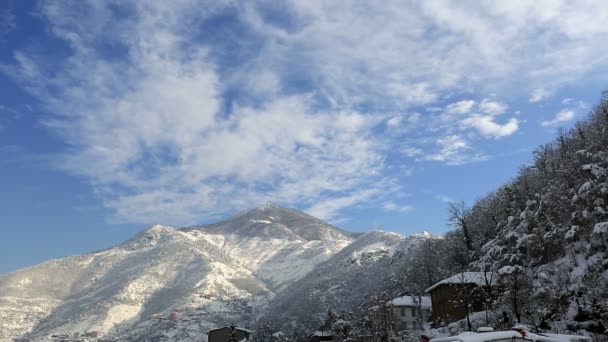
[412, 301]
[479, 337]
[477, 278]
[510, 336]
[321, 333]
[227, 327]
[567, 337]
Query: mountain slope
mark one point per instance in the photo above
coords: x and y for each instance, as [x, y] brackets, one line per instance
[278, 245]
[213, 275]
[155, 272]
[371, 264]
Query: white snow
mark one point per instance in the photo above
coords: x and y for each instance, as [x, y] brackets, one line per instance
[119, 314]
[409, 301]
[600, 228]
[477, 278]
[480, 337]
[261, 221]
[585, 188]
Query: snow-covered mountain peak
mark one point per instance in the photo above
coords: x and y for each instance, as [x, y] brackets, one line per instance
[224, 272]
[268, 205]
[271, 221]
[152, 236]
[380, 235]
[426, 235]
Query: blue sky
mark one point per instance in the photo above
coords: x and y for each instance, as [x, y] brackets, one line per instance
[115, 115]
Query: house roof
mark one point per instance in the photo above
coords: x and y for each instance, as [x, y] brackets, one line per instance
[510, 335]
[321, 333]
[227, 327]
[476, 278]
[481, 337]
[411, 301]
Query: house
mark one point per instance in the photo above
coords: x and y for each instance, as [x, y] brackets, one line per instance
[223, 334]
[451, 297]
[409, 312]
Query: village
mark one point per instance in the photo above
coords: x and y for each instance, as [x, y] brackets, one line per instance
[388, 318]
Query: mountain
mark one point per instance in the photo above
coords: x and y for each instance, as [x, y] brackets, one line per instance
[157, 271]
[167, 283]
[371, 264]
[273, 221]
[278, 245]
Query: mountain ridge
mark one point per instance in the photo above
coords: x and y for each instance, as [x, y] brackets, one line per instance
[271, 213]
[215, 274]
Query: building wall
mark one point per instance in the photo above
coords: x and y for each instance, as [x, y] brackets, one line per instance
[223, 335]
[448, 301]
[405, 318]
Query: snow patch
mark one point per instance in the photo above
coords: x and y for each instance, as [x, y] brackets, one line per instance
[261, 221]
[600, 228]
[120, 314]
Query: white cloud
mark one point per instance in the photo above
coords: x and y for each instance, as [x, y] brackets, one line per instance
[567, 101]
[155, 145]
[444, 198]
[328, 208]
[451, 148]
[492, 107]
[486, 125]
[454, 150]
[538, 95]
[367, 56]
[413, 118]
[562, 116]
[460, 107]
[392, 206]
[395, 121]
[412, 151]
[183, 125]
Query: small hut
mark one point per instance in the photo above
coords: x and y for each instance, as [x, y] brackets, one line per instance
[223, 334]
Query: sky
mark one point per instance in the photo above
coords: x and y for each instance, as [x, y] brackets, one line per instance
[115, 115]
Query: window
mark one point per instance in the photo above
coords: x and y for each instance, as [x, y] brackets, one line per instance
[402, 312]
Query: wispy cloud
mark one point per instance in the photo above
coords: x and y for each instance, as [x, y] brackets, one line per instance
[172, 116]
[486, 125]
[392, 206]
[460, 107]
[7, 22]
[412, 151]
[562, 116]
[444, 198]
[492, 107]
[538, 95]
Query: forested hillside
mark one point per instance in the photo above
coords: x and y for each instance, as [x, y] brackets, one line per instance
[542, 236]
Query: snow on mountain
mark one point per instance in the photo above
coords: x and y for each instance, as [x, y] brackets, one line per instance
[278, 245]
[209, 275]
[273, 221]
[157, 271]
[370, 264]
